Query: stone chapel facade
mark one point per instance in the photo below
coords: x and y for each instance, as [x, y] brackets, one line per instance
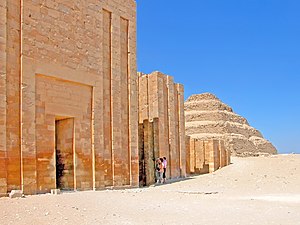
[68, 95]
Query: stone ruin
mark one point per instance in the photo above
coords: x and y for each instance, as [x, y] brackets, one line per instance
[162, 125]
[209, 118]
[74, 113]
[162, 133]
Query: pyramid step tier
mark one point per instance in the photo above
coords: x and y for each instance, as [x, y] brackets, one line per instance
[215, 115]
[206, 105]
[221, 127]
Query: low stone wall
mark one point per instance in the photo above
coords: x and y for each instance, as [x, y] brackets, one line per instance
[205, 156]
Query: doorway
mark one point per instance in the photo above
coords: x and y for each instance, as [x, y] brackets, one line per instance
[148, 151]
[64, 152]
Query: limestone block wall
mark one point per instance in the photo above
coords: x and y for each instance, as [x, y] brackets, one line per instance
[3, 152]
[160, 97]
[190, 155]
[205, 156]
[68, 60]
[214, 154]
[181, 128]
[13, 80]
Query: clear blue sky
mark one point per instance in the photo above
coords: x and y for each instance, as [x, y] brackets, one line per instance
[247, 52]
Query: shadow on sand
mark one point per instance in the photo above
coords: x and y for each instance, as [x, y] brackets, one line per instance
[173, 181]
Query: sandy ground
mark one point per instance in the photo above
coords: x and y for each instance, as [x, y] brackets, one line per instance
[250, 191]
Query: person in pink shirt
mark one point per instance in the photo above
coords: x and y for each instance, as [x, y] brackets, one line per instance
[165, 163]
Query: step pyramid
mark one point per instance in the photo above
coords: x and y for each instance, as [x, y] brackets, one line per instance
[207, 117]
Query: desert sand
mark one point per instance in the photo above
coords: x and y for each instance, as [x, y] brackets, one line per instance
[261, 190]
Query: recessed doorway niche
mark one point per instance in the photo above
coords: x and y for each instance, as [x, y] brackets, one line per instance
[64, 153]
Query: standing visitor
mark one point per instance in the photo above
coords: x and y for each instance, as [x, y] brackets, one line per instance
[165, 163]
[161, 169]
[157, 170]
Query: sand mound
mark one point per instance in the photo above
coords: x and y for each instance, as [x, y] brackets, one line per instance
[208, 117]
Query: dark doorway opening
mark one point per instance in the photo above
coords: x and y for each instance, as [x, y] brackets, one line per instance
[59, 169]
[148, 151]
[64, 152]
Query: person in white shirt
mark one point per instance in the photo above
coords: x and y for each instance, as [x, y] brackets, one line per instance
[159, 170]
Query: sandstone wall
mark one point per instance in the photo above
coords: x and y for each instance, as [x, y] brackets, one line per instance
[78, 60]
[3, 73]
[160, 97]
[13, 80]
[209, 118]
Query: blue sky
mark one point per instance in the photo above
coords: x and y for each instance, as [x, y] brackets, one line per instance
[247, 52]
